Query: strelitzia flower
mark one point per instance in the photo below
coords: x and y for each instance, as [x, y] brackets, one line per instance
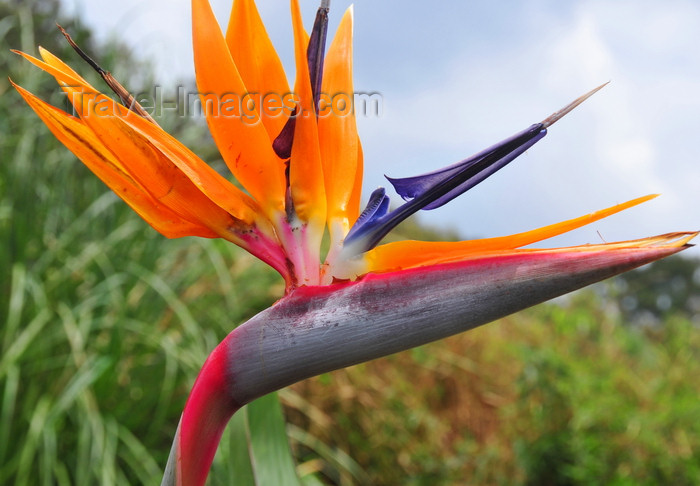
[296, 154]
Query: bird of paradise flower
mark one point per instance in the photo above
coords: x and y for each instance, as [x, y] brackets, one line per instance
[300, 167]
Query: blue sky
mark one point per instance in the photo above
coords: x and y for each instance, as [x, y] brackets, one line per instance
[460, 77]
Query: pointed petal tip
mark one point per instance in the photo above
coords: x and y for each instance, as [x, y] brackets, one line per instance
[646, 250]
[557, 115]
[674, 240]
[25, 55]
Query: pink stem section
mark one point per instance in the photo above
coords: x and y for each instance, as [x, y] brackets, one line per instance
[207, 411]
[270, 252]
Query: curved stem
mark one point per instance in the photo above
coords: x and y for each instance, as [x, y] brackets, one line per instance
[207, 411]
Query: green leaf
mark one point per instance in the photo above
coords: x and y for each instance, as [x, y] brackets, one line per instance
[239, 459]
[273, 463]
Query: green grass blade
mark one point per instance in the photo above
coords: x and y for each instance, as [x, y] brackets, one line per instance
[273, 462]
[138, 457]
[9, 404]
[239, 460]
[16, 303]
[28, 449]
[336, 458]
[23, 341]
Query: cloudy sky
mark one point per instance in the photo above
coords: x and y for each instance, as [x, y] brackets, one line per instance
[458, 78]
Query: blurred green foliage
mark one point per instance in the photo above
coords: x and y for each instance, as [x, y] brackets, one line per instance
[561, 394]
[656, 292]
[104, 324]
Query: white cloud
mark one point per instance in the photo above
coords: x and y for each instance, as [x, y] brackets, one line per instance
[579, 54]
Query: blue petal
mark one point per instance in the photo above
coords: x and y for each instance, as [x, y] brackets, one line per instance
[376, 209]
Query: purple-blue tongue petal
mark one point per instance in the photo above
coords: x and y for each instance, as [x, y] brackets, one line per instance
[412, 187]
[443, 186]
[316, 51]
[282, 145]
[432, 190]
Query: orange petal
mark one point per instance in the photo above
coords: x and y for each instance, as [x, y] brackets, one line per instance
[56, 68]
[337, 129]
[52, 60]
[407, 254]
[137, 155]
[305, 170]
[86, 101]
[258, 63]
[84, 144]
[159, 175]
[237, 131]
[219, 190]
[356, 194]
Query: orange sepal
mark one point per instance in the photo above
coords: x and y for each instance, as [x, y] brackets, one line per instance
[222, 192]
[407, 254]
[241, 138]
[219, 190]
[258, 64]
[305, 170]
[337, 129]
[167, 150]
[80, 140]
[356, 195]
[157, 173]
[55, 62]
